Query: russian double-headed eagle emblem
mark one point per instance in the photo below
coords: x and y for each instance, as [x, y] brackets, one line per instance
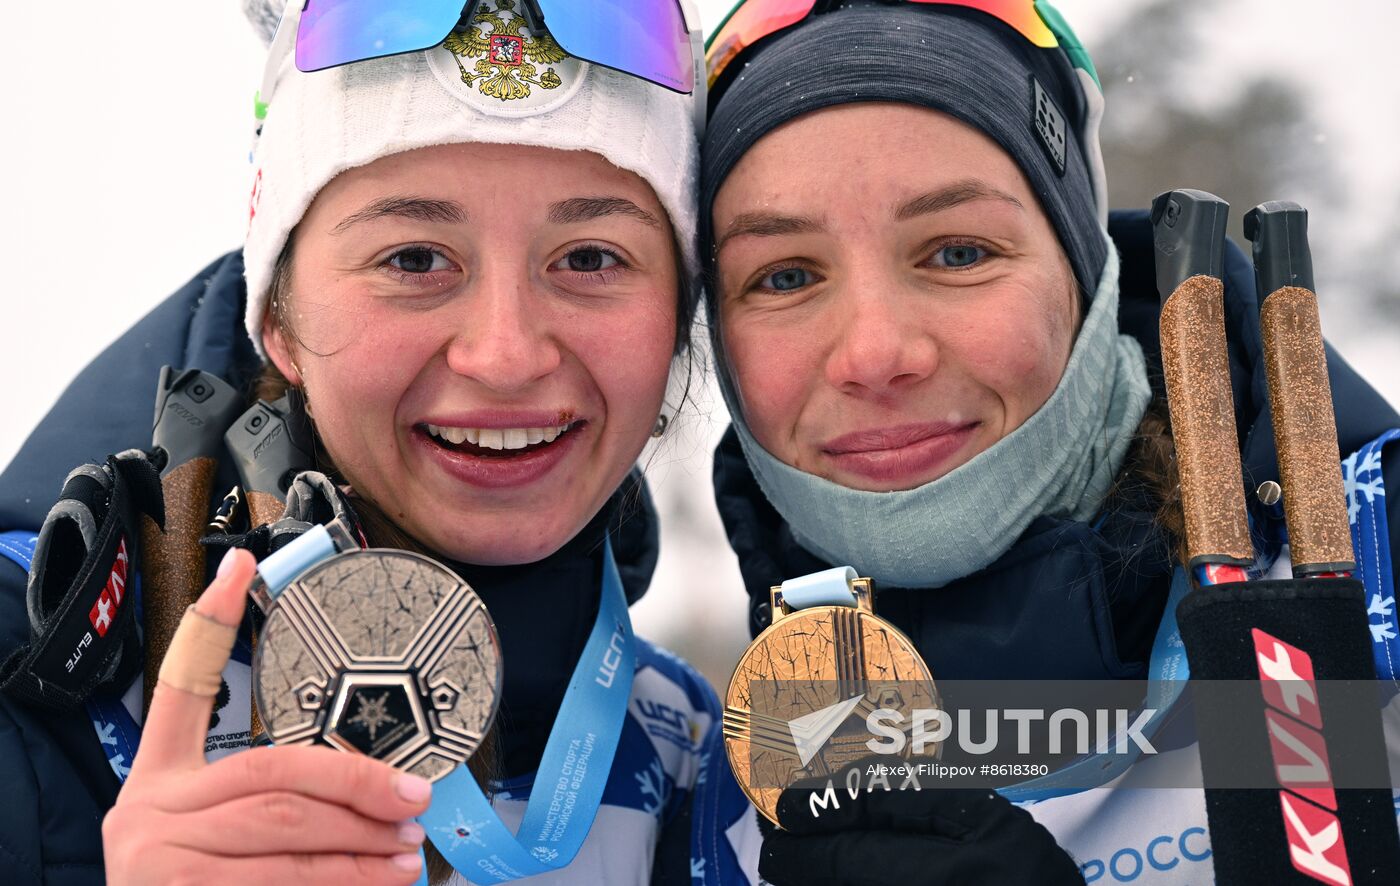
[507, 55]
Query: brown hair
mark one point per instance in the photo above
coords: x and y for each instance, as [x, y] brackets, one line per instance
[1151, 467]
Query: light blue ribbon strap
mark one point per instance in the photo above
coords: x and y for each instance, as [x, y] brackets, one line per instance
[830, 587]
[315, 545]
[573, 772]
[1370, 536]
[282, 568]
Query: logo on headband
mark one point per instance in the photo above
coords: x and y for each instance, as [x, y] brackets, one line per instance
[496, 63]
[1050, 125]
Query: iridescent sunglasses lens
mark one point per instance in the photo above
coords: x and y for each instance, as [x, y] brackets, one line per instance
[644, 38]
[338, 32]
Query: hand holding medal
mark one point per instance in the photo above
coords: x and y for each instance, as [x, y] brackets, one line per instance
[389, 654]
[239, 820]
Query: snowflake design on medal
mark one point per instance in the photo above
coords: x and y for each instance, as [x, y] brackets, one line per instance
[373, 714]
[462, 831]
[507, 54]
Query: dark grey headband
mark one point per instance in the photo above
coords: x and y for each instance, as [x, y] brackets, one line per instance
[962, 63]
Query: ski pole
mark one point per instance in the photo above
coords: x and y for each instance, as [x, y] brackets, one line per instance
[271, 443]
[1300, 395]
[1189, 240]
[192, 410]
[1291, 748]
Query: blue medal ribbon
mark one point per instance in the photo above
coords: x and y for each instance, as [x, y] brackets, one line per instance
[1370, 536]
[572, 774]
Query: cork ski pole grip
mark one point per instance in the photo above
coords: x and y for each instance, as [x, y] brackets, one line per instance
[264, 508]
[193, 408]
[1203, 422]
[1300, 395]
[174, 560]
[1188, 238]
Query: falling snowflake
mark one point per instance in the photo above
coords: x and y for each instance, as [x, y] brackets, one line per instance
[462, 831]
[373, 714]
[1356, 487]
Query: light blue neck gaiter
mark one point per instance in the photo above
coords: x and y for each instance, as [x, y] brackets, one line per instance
[1060, 462]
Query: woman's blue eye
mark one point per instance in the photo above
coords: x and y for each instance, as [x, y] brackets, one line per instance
[590, 261]
[787, 280]
[960, 256]
[419, 260]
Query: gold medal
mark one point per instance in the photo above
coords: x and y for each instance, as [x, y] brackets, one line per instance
[798, 702]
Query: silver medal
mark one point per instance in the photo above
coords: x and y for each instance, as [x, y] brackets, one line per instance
[380, 652]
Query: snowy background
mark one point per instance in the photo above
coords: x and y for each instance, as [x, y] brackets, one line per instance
[126, 172]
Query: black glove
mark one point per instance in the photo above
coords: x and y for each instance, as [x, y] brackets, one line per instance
[82, 583]
[962, 836]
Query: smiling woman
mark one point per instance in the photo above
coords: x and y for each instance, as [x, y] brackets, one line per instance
[495, 396]
[468, 273]
[894, 269]
[942, 362]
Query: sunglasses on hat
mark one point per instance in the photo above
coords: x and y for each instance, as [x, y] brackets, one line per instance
[753, 20]
[655, 40]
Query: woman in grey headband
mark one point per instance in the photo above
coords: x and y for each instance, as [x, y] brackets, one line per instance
[940, 356]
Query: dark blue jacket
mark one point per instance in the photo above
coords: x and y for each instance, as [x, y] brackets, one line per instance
[1069, 600]
[57, 783]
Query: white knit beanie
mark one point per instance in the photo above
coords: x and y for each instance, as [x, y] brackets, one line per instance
[323, 123]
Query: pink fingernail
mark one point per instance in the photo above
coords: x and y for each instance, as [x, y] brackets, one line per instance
[226, 563]
[408, 861]
[413, 789]
[411, 833]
